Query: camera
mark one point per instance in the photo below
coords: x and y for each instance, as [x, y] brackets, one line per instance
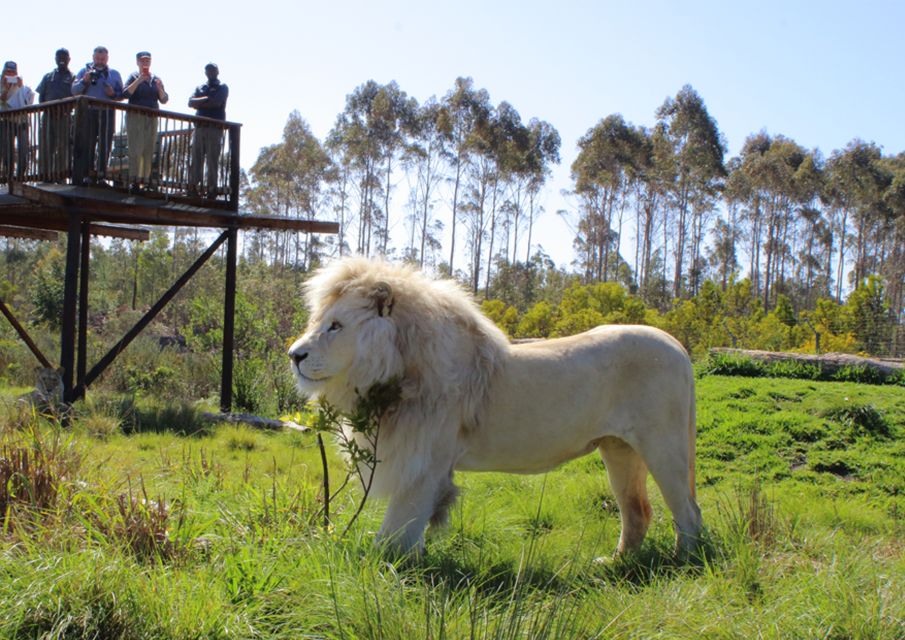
[93, 73]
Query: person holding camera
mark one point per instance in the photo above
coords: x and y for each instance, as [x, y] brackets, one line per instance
[144, 89]
[14, 94]
[97, 80]
[55, 124]
[209, 101]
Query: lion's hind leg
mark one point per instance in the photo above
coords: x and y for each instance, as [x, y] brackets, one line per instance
[628, 477]
[670, 467]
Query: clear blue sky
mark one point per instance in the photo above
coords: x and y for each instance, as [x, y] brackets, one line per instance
[821, 73]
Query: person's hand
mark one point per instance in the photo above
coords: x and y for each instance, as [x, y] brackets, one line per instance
[109, 91]
[19, 82]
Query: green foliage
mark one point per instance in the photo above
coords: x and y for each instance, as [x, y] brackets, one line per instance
[47, 290]
[358, 435]
[537, 321]
[869, 315]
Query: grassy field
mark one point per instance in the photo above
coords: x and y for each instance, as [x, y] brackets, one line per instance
[144, 524]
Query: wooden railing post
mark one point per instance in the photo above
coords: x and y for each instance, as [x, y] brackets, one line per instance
[234, 167]
[81, 155]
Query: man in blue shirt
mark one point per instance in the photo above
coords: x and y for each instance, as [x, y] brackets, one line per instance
[99, 81]
[55, 123]
[144, 89]
[209, 101]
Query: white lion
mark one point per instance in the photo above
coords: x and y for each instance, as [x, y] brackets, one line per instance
[473, 402]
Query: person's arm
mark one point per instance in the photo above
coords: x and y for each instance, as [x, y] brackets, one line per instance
[217, 99]
[131, 84]
[29, 96]
[114, 88]
[79, 86]
[42, 88]
[197, 101]
[162, 95]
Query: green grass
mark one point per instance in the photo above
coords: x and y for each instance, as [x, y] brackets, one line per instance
[215, 533]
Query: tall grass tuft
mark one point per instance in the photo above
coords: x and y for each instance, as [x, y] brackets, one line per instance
[750, 515]
[36, 467]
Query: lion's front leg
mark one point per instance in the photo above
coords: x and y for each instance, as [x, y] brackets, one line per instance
[410, 510]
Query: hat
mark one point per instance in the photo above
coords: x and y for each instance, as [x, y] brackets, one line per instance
[142, 54]
[211, 65]
[9, 65]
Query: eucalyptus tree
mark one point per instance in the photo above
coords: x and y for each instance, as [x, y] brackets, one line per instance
[773, 178]
[465, 110]
[855, 186]
[543, 152]
[481, 183]
[697, 158]
[892, 262]
[509, 149]
[425, 157]
[610, 156]
[371, 131]
[288, 179]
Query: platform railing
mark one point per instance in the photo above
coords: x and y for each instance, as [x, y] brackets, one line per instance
[86, 141]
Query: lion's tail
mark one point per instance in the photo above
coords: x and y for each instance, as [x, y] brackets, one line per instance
[692, 437]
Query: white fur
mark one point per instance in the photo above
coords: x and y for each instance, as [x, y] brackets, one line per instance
[471, 401]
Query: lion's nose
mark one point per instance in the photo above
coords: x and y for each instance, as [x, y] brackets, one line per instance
[298, 357]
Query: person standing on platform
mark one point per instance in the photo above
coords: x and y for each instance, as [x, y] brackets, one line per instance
[55, 124]
[99, 81]
[209, 101]
[14, 94]
[144, 89]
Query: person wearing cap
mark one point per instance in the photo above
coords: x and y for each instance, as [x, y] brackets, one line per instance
[99, 81]
[55, 123]
[14, 94]
[209, 101]
[143, 89]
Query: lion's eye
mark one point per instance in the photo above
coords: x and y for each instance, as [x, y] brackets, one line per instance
[335, 326]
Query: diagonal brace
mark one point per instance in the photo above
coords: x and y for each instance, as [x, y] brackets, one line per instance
[24, 335]
[146, 319]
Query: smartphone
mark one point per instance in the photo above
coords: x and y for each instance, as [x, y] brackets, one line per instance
[11, 79]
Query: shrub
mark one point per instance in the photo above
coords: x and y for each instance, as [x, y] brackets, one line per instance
[724, 364]
[859, 419]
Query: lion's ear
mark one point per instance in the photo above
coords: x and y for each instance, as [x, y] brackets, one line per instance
[382, 294]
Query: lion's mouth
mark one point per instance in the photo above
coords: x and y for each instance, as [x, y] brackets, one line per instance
[309, 378]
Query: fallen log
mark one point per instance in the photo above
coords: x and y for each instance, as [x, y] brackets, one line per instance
[828, 362]
[253, 421]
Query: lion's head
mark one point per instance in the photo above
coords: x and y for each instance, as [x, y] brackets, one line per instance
[371, 321]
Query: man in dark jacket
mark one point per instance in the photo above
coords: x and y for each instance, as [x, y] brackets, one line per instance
[209, 101]
[55, 123]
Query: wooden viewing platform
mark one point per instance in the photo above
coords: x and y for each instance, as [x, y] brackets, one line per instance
[85, 190]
